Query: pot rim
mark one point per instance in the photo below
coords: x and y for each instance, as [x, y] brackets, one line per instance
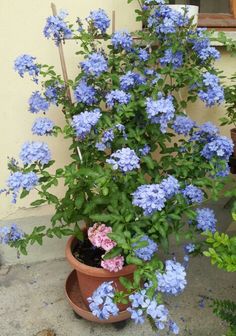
[94, 271]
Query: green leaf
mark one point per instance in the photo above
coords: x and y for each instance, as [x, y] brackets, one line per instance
[24, 193]
[38, 202]
[134, 260]
[113, 253]
[79, 201]
[126, 282]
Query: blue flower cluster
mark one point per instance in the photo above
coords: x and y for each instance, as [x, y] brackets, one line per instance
[52, 92]
[95, 65]
[109, 135]
[42, 126]
[10, 234]
[160, 111]
[141, 304]
[221, 147]
[124, 159]
[99, 20]
[122, 40]
[206, 133]
[165, 20]
[145, 253]
[145, 150]
[173, 280]
[57, 28]
[130, 80]
[202, 46]
[37, 103]
[35, 152]
[206, 220]
[213, 92]
[152, 197]
[101, 302]
[83, 122]
[183, 125]
[171, 58]
[117, 96]
[193, 194]
[143, 55]
[85, 93]
[170, 186]
[26, 64]
[19, 180]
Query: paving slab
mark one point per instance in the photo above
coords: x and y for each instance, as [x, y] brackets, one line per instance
[32, 300]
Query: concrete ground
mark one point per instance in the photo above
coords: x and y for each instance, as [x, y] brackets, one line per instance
[32, 298]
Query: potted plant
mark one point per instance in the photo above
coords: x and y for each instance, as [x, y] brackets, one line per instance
[130, 180]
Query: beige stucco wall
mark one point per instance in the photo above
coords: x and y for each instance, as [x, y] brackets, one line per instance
[21, 25]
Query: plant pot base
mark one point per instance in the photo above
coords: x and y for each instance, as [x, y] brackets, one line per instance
[74, 298]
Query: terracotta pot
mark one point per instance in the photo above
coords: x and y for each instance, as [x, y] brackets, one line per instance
[89, 278]
[233, 137]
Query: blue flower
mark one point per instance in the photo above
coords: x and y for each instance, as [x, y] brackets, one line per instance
[173, 280]
[150, 198]
[193, 194]
[85, 121]
[95, 65]
[221, 147]
[26, 64]
[101, 302]
[52, 92]
[130, 80]
[122, 40]
[99, 20]
[202, 47]
[173, 327]
[35, 152]
[183, 125]
[160, 111]
[42, 126]
[189, 248]
[165, 21]
[136, 315]
[124, 159]
[10, 234]
[206, 133]
[117, 96]
[170, 186]
[145, 253]
[206, 219]
[143, 55]
[170, 58]
[145, 150]
[19, 180]
[37, 103]
[57, 28]
[213, 92]
[85, 93]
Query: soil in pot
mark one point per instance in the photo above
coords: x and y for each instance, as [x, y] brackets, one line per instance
[88, 254]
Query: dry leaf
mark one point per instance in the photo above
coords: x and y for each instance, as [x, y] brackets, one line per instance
[46, 332]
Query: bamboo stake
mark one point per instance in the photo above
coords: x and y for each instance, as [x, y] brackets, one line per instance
[62, 58]
[113, 21]
[64, 72]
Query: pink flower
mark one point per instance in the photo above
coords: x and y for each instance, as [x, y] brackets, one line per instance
[113, 265]
[98, 236]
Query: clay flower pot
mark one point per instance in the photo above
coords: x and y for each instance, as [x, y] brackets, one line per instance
[89, 278]
[233, 137]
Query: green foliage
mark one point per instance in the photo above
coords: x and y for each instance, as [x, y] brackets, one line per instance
[226, 311]
[222, 250]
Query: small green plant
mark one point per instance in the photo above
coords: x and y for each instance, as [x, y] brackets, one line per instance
[226, 310]
[222, 250]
